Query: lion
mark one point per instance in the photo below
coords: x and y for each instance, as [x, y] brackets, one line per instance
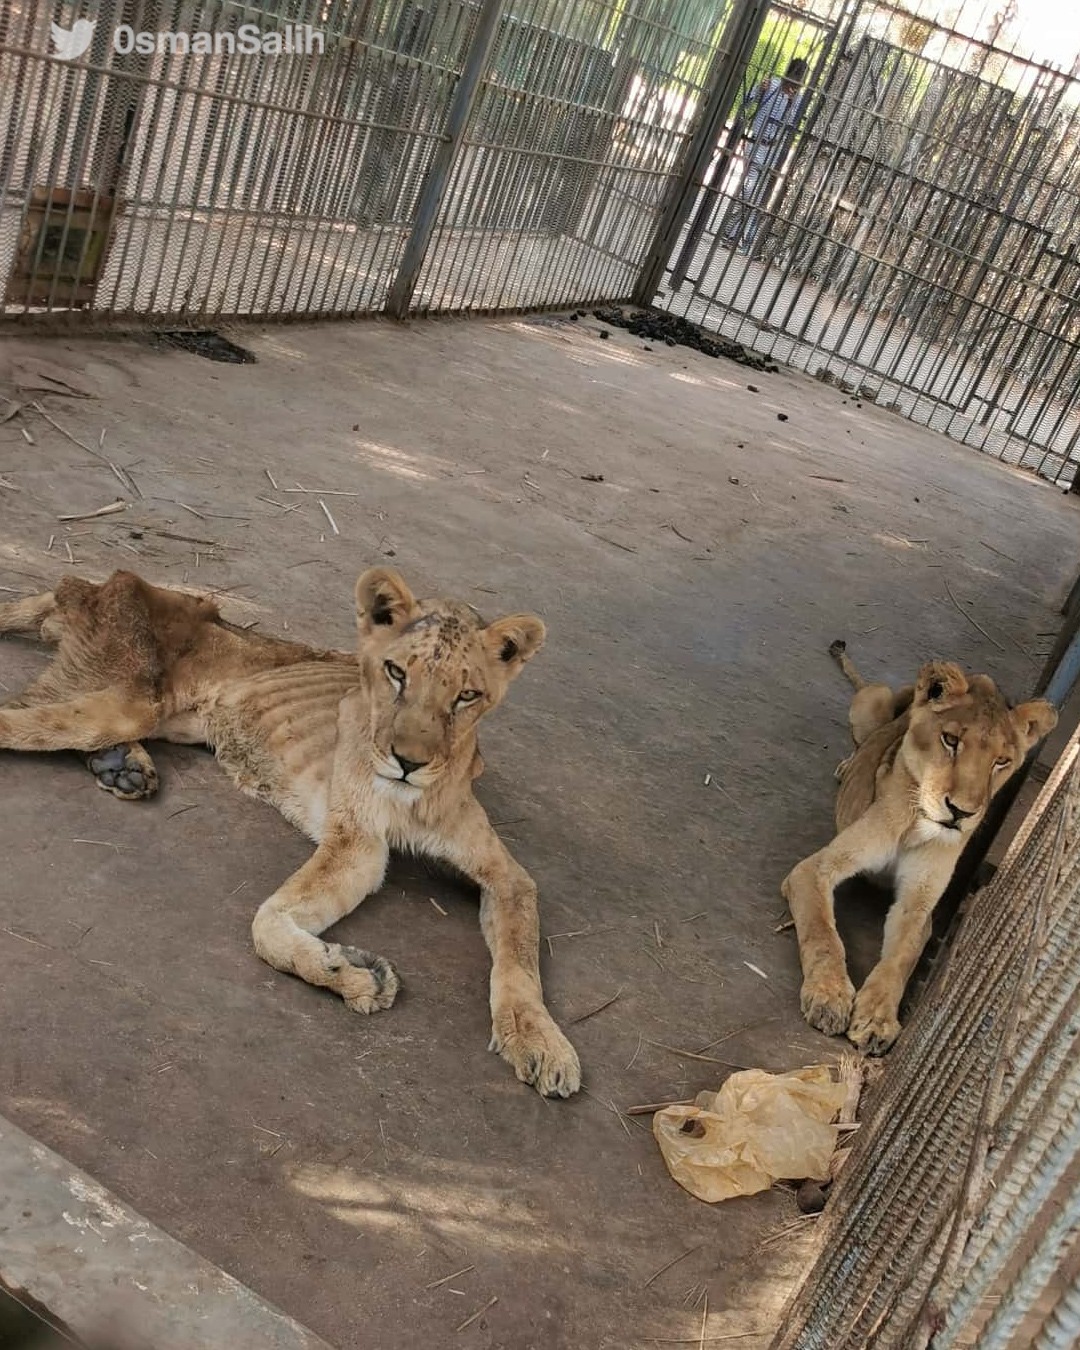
[363, 753]
[928, 759]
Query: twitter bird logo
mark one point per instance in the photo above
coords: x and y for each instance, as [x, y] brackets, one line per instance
[73, 43]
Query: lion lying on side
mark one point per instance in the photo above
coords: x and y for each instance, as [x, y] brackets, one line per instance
[927, 761]
[363, 754]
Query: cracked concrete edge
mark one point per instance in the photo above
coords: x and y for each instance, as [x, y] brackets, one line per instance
[97, 1268]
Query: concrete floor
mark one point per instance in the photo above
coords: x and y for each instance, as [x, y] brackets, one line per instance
[339, 1165]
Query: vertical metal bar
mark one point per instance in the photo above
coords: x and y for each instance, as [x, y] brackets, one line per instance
[1028, 1287]
[435, 183]
[1062, 1330]
[1053, 1147]
[731, 59]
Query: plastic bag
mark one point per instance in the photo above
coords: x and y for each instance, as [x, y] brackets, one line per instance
[759, 1128]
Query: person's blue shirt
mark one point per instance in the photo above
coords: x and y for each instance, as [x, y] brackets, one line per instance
[777, 111]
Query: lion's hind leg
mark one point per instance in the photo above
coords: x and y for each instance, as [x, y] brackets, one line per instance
[873, 705]
[96, 694]
[30, 616]
[868, 707]
[91, 722]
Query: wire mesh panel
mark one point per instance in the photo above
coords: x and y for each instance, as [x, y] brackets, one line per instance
[209, 178]
[956, 1220]
[571, 148]
[913, 235]
[203, 157]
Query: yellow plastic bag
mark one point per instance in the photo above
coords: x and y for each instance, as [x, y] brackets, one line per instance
[760, 1127]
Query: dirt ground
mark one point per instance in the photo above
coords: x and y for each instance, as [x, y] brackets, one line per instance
[340, 1165]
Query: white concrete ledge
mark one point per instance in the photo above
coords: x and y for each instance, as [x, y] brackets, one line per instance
[67, 1245]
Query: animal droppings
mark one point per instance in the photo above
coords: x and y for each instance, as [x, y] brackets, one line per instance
[675, 331]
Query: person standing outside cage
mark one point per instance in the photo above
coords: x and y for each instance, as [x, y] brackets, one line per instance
[779, 105]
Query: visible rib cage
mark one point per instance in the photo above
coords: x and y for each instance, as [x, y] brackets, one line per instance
[363, 753]
[275, 734]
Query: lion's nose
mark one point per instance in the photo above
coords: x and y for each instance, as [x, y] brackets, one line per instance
[408, 765]
[957, 814]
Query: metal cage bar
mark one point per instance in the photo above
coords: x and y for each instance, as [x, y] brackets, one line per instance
[912, 234]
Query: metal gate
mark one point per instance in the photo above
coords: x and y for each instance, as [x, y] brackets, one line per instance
[433, 154]
[916, 238]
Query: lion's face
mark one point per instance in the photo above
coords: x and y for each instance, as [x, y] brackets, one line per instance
[964, 742]
[434, 668]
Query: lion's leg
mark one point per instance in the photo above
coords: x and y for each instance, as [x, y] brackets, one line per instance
[873, 707]
[827, 992]
[125, 770]
[92, 722]
[340, 873]
[522, 1029]
[29, 615]
[875, 1020]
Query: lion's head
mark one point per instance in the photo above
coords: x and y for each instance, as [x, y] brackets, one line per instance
[964, 742]
[433, 668]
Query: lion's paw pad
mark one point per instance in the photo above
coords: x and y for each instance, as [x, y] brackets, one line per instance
[124, 770]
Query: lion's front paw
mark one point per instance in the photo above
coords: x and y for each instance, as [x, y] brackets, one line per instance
[874, 1024]
[367, 983]
[539, 1053]
[827, 1001]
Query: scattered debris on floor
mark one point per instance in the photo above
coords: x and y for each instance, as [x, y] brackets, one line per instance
[676, 331]
[760, 1128]
[205, 342]
[36, 375]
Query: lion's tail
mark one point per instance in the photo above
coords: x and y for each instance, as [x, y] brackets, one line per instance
[838, 652]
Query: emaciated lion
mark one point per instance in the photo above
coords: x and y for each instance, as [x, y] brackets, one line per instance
[363, 753]
[928, 759]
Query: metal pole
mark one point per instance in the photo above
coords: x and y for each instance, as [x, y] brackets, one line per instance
[436, 179]
[730, 61]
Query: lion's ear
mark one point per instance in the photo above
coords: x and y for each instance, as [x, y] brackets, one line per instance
[940, 683]
[383, 600]
[513, 640]
[1034, 720]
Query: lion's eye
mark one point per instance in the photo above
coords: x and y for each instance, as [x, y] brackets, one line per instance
[1002, 763]
[949, 741]
[468, 696]
[395, 674]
